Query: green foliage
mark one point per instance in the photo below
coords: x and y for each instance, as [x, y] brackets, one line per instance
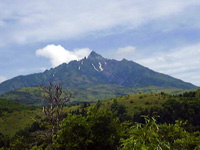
[95, 126]
[144, 137]
[4, 140]
[178, 137]
[73, 133]
[198, 94]
[119, 110]
[183, 109]
[20, 143]
[99, 130]
[151, 136]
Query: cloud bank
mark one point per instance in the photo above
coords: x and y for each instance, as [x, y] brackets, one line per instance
[37, 21]
[58, 55]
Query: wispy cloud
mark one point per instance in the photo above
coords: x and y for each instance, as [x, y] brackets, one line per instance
[52, 20]
[2, 78]
[123, 52]
[58, 55]
[183, 63]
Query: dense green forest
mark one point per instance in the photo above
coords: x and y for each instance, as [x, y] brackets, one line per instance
[140, 121]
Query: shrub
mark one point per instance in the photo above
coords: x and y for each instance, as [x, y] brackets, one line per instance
[99, 130]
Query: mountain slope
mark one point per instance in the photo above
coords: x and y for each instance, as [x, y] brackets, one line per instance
[33, 95]
[96, 70]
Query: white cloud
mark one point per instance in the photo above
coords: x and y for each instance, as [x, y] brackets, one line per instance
[52, 20]
[182, 63]
[58, 54]
[2, 79]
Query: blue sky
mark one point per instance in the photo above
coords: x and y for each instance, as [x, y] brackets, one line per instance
[162, 35]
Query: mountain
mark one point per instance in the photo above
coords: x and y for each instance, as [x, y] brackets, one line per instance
[96, 70]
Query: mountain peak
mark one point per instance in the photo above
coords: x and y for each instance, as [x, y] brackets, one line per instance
[93, 55]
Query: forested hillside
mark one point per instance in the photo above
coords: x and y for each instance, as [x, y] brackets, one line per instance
[32, 95]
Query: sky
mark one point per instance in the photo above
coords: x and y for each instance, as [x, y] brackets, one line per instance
[162, 35]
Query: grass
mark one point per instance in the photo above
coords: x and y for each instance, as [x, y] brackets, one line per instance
[15, 116]
[137, 102]
[11, 123]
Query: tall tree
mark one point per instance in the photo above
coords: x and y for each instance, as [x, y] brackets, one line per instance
[53, 111]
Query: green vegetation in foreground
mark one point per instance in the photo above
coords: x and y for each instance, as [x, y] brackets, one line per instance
[32, 95]
[134, 104]
[119, 124]
[100, 129]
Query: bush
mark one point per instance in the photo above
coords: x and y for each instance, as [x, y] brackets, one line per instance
[4, 140]
[154, 136]
[99, 130]
[131, 101]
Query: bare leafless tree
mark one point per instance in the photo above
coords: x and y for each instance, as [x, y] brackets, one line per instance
[53, 111]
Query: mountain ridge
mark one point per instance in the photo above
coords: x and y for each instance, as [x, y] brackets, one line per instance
[96, 70]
